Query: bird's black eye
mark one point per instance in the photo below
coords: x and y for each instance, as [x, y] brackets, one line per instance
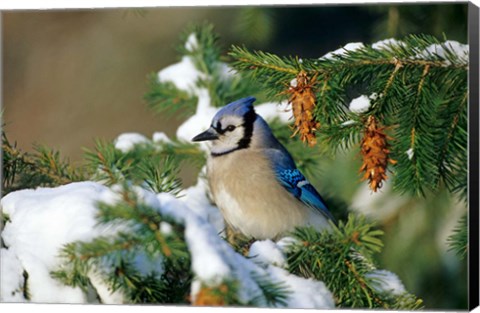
[230, 128]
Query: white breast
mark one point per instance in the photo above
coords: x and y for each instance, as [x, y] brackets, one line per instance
[233, 212]
[252, 201]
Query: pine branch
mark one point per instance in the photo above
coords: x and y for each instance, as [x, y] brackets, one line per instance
[155, 165]
[163, 176]
[264, 65]
[274, 293]
[26, 170]
[419, 85]
[265, 68]
[200, 42]
[115, 257]
[342, 137]
[139, 288]
[164, 97]
[342, 258]
[147, 220]
[107, 163]
[183, 152]
[417, 172]
[458, 241]
[452, 145]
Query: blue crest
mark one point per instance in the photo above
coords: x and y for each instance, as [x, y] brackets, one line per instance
[238, 108]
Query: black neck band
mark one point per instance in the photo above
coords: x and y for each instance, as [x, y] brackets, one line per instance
[215, 154]
[248, 121]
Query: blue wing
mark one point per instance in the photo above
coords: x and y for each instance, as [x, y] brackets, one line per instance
[294, 181]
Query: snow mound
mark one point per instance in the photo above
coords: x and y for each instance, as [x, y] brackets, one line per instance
[183, 74]
[342, 51]
[388, 282]
[160, 137]
[387, 44]
[265, 252]
[360, 104]
[461, 51]
[41, 222]
[127, 141]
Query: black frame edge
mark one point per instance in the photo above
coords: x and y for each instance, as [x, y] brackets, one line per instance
[473, 194]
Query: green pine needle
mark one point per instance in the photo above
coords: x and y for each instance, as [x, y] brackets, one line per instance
[458, 241]
[44, 168]
[164, 97]
[342, 257]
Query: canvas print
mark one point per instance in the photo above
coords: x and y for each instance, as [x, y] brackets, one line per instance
[303, 156]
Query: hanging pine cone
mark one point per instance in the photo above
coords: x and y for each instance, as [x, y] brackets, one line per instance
[374, 150]
[303, 102]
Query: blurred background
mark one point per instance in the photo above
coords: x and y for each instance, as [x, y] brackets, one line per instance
[70, 77]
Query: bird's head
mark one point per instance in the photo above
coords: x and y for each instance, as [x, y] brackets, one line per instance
[231, 128]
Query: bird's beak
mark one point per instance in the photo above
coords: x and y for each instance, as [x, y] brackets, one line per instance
[209, 134]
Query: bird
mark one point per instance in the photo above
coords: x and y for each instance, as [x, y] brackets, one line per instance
[253, 179]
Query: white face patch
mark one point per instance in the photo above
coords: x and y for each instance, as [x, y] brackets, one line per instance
[231, 132]
[231, 120]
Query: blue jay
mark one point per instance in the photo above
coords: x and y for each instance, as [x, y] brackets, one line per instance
[253, 179]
